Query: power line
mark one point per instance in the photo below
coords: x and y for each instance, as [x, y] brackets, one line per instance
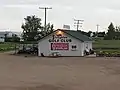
[45, 8]
[78, 23]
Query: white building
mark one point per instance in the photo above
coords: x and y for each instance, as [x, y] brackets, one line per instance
[8, 34]
[2, 36]
[64, 42]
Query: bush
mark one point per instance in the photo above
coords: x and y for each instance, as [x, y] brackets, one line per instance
[108, 53]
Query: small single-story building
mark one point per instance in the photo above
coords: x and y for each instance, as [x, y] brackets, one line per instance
[4, 34]
[65, 43]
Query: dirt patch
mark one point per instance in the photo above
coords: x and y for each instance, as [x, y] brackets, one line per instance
[74, 73]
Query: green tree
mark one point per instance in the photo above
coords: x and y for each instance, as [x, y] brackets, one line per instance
[117, 33]
[94, 34]
[31, 28]
[101, 34]
[89, 33]
[5, 37]
[111, 32]
[49, 28]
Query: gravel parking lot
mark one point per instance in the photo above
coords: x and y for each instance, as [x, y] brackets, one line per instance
[65, 73]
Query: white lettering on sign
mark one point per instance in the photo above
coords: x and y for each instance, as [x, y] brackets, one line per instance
[59, 46]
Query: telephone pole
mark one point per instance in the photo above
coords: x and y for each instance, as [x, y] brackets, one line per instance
[45, 8]
[97, 29]
[78, 22]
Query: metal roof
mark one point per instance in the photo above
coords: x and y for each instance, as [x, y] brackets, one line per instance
[78, 35]
[75, 34]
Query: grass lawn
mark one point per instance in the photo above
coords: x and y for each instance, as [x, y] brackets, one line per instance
[111, 46]
[104, 45]
[6, 46]
[107, 44]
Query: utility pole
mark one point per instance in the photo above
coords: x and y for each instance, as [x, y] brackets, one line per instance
[45, 8]
[97, 29]
[78, 22]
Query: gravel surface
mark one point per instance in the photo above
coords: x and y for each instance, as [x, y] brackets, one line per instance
[65, 73]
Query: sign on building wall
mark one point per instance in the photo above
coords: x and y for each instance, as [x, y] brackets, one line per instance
[59, 46]
[60, 42]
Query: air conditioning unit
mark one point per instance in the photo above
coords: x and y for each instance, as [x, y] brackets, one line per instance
[67, 27]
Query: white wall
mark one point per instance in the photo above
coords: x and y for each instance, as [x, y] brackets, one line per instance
[2, 37]
[9, 34]
[45, 48]
[83, 48]
[2, 40]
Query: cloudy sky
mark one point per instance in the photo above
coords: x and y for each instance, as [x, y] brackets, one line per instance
[93, 12]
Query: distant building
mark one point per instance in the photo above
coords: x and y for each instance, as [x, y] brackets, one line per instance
[2, 36]
[67, 27]
[8, 34]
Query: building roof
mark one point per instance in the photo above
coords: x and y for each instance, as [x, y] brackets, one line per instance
[76, 34]
[2, 34]
[9, 33]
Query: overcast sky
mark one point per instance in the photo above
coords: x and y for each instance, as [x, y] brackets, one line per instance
[93, 12]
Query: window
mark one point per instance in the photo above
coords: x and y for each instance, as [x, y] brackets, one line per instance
[74, 47]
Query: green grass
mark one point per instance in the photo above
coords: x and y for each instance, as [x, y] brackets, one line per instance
[108, 50]
[6, 46]
[98, 45]
[106, 44]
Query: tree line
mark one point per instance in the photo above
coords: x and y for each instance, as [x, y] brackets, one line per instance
[33, 30]
[113, 33]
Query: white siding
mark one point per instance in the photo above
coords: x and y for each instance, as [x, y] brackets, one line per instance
[2, 40]
[82, 49]
[45, 48]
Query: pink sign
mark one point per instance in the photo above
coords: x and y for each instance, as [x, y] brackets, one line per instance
[59, 46]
